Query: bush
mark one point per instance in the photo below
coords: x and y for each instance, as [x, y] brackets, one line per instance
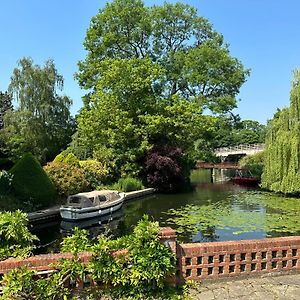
[22, 283]
[5, 182]
[68, 179]
[10, 202]
[67, 158]
[255, 163]
[5, 164]
[129, 184]
[95, 172]
[16, 240]
[139, 273]
[30, 182]
[166, 169]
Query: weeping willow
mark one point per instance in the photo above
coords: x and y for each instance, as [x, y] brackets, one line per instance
[282, 160]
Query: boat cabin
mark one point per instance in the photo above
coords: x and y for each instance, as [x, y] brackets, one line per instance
[90, 199]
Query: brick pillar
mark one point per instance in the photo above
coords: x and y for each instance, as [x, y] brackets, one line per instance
[168, 237]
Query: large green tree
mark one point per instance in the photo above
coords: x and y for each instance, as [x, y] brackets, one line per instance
[125, 116]
[150, 73]
[41, 123]
[282, 156]
[196, 60]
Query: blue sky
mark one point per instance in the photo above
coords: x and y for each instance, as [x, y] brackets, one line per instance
[263, 34]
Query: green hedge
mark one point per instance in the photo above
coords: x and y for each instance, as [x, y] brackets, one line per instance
[31, 183]
[5, 163]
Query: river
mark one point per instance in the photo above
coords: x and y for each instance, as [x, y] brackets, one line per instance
[210, 212]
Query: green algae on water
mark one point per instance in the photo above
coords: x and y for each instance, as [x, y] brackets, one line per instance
[242, 213]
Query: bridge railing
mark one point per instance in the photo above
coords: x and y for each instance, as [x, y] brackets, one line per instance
[239, 149]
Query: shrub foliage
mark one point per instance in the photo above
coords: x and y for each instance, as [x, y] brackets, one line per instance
[129, 184]
[95, 172]
[67, 178]
[255, 163]
[67, 158]
[166, 169]
[15, 238]
[31, 183]
[5, 182]
[138, 273]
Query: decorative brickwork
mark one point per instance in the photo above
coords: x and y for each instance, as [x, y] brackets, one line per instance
[214, 260]
[199, 261]
[46, 262]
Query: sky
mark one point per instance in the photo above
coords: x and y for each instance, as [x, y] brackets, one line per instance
[262, 34]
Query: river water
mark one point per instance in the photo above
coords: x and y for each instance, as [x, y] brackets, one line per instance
[210, 212]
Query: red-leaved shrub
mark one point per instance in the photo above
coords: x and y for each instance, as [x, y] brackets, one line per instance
[165, 169]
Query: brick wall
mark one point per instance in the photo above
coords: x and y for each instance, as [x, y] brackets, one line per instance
[214, 260]
[200, 261]
[46, 262]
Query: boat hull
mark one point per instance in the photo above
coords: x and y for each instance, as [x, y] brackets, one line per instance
[246, 181]
[75, 214]
[113, 218]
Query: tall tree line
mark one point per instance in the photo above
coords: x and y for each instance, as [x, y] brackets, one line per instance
[41, 122]
[282, 157]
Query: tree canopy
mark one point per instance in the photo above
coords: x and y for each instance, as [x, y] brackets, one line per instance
[41, 123]
[125, 117]
[196, 61]
[282, 158]
[150, 74]
[232, 131]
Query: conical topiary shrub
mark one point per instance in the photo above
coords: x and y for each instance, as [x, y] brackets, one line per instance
[31, 182]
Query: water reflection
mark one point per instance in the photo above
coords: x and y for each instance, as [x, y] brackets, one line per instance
[210, 212]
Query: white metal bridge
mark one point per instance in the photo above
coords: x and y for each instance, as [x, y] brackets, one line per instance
[244, 149]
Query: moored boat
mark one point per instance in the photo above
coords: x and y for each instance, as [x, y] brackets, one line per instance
[95, 225]
[244, 177]
[91, 204]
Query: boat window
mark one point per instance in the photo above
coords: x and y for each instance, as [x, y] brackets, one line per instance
[102, 198]
[74, 200]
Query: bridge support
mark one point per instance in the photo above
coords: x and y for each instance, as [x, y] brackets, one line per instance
[221, 175]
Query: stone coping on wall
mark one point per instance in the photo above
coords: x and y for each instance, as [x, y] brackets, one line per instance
[213, 260]
[241, 244]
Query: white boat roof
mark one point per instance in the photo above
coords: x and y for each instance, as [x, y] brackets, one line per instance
[95, 193]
